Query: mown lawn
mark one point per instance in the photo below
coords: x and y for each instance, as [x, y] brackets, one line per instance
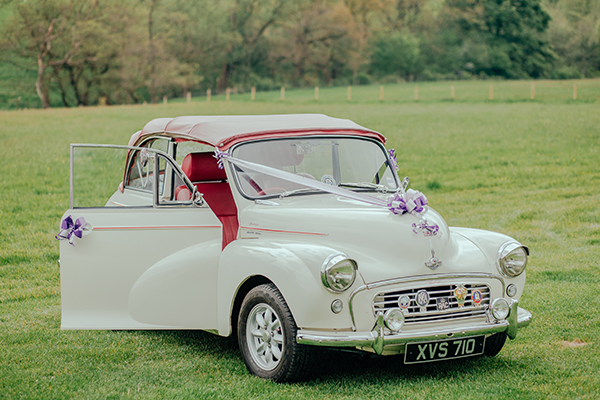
[527, 169]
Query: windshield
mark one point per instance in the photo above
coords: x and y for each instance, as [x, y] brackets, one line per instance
[354, 163]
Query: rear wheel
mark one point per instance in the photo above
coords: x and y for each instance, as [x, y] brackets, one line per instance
[494, 344]
[267, 337]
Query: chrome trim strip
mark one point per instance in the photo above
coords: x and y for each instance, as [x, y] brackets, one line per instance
[417, 278]
[71, 155]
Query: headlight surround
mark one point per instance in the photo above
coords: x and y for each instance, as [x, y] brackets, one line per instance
[338, 272]
[512, 259]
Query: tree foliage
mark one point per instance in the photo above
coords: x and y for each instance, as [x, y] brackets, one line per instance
[82, 52]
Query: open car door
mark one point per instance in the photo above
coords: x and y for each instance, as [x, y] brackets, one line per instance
[137, 258]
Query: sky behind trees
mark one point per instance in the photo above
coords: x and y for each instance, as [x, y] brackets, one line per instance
[74, 52]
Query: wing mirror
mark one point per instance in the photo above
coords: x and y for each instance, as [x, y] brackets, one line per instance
[405, 182]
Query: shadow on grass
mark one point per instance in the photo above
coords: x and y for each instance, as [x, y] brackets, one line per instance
[335, 365]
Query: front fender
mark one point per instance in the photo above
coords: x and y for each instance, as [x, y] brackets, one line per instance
[489, 243]
[294, 268]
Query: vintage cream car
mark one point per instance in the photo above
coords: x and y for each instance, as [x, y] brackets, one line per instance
[292, 232]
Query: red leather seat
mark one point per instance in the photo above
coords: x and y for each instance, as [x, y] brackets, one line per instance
[203, 171]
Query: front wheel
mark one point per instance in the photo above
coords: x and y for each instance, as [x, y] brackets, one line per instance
[494, 344]
[267, 337]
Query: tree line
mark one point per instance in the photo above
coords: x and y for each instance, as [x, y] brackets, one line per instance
[80, 52]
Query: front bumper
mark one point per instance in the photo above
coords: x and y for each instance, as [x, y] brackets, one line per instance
[518, 318]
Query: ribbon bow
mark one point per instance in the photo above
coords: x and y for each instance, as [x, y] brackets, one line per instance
[393, 159]
[412, 201]
[70, 229]
[219, 155]
[428, 230]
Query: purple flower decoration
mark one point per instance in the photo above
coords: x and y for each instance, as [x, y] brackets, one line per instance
[428, 230]
[393, 159]
[219, 155]
[70, 229]
[411, 201]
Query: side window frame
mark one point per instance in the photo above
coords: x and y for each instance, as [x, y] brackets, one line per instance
[147, 144]
[157, 155]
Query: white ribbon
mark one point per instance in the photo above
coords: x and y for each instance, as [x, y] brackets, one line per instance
[288, 176]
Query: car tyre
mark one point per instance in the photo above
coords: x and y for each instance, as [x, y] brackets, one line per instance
[494, 344]
[267, 337]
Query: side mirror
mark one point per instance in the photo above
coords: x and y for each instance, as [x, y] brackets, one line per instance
[197, 198]
[405, 182]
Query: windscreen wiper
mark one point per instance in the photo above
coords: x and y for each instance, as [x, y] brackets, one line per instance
[365, 185]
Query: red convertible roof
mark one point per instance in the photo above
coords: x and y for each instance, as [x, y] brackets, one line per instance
[225, 131]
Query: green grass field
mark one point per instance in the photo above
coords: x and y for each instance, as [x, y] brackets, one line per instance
[529, 169]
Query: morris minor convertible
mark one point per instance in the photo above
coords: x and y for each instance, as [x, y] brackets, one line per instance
[292, 232]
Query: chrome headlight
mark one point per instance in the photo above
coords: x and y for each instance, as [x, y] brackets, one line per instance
[512, 259]
[394, 319]
[338, 272]
[500, 309]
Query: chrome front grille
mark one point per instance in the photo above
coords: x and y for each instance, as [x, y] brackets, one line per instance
[384, 301]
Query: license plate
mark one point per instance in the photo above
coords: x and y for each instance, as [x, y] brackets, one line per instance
[448, 349]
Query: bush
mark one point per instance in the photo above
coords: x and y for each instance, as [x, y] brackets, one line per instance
[566, 72]
[362, 79]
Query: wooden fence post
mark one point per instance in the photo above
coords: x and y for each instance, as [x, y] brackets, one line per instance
[189, 96]
[165, 100]
[574, 91]
[452, 92]
[208, 92]
[253, 93]
[532, 91]
[349, 93]
[381, 93]
[282, 93]
[316, 93]
[416, 92]
[491, 92]
[227, 94]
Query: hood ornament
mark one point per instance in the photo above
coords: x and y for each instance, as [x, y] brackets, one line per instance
[429, 231]
[433, 263]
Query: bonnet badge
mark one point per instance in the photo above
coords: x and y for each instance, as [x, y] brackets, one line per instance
[404, 302]
[422, 299]
[460, 293]
[476, 296]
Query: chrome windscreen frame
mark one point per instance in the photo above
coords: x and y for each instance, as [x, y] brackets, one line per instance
[236, 178]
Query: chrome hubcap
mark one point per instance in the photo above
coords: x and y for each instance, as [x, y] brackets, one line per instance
[264, 336]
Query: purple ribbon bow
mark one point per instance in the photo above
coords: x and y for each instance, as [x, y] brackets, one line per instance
[428, 230]
[411, 201]
[219, 155]
[70, 229]
[393, 158]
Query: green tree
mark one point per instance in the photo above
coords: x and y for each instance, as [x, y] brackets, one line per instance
[513, 33]
[317, 42]
[396, 54]
[575, 36]
[48, 33]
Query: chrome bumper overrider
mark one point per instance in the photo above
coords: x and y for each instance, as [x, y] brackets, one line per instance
[518, 318]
